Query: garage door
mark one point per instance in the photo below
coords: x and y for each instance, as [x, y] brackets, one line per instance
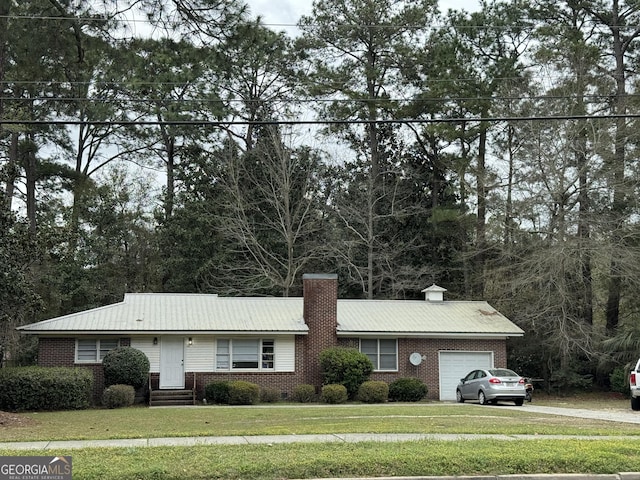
[455, 365]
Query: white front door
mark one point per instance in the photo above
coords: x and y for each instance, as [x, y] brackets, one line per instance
[171, 362]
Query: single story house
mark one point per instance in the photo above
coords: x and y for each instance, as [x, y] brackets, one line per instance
[193, 339]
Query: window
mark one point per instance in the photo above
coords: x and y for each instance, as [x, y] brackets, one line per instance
[268, 354]
[383, 353]
[243, 353]
[222, 355]
[94, 350]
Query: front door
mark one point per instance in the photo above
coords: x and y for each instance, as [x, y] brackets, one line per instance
[171, 362]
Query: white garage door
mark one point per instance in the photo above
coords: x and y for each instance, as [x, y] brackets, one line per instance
[455, 365]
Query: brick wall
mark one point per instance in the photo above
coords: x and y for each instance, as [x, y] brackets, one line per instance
[428, 370]
[321, 316]
[61, 352]
[56, 352]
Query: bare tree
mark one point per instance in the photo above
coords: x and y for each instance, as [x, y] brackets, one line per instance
[269, 216]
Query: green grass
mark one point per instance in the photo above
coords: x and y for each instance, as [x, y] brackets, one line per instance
[265, 462]
[142, 422]
[317, 460]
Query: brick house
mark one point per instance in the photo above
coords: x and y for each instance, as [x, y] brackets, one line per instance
[192, 339]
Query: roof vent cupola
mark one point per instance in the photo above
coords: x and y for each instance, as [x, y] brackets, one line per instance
[434, 293]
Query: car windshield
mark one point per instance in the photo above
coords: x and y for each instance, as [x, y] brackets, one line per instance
[503, 372]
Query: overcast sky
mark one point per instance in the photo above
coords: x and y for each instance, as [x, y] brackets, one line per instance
[288, 12]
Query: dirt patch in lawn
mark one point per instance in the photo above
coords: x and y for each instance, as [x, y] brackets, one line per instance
[14, 420]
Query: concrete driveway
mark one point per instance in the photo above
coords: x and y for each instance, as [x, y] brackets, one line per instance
[613, 414]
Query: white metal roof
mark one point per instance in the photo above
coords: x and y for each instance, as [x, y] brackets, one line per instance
[154, 312]
[199, 313]
[422, 318]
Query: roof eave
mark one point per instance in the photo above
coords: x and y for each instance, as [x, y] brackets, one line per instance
[63, 333]
[475, 335]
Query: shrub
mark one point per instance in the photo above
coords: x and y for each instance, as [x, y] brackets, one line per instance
[373, 391]
[619, 380]
[118, 396]
[345, 366]
[407, 390]
[304, 393]
[270, 395]
[334, 393]
[217, 392]
[40, 388]
[243, 393]
[125, 366]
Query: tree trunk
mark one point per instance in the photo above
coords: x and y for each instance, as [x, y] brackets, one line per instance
[5, 7]
[170, 149]
[618, 207]
[31, 174]
[481, 243]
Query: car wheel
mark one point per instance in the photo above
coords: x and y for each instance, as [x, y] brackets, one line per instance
[635, 403]
[459, 397]
[482, 400]
[518, 402]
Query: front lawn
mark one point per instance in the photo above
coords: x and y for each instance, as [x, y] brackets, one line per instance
[143, 422]
[334, 460]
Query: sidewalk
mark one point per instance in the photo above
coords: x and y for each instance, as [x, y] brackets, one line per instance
[343, 438]
[615, 416]
[275, 439]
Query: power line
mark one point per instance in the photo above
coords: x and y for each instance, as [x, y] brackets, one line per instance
[433, 25]
[221, 123]
[589, 98]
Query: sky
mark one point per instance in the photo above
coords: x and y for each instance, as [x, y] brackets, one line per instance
[287, 12]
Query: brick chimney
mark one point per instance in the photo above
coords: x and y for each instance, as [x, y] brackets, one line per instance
[320, 293]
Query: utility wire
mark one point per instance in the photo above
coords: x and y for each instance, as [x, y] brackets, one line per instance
[108, 18]
[172, 101]
[221, 123]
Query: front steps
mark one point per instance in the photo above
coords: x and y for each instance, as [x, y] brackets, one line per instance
[159, 398]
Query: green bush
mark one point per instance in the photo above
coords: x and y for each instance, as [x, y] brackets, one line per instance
[407, 390]
[217, 392]
[619, 381]
[40, 388]
[345, 366]
[334, 393]
[270, 395]
[118, 396]
[304, 393]
[373, 391]
[243, 393]
[125, 366]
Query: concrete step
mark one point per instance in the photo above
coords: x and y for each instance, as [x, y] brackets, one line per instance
[171, 397]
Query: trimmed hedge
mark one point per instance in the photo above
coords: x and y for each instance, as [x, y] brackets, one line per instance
[304, 393]
[334, 393]
[45, 388]
[407, 390]
[118, 396]
[217, 392]
[125, 366]
[270, 395]
[243, 393]
[345, 366]
[373, 391]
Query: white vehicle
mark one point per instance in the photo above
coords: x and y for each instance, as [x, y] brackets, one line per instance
[634, 383]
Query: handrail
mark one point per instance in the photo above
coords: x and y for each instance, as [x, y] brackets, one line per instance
[194, 387]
